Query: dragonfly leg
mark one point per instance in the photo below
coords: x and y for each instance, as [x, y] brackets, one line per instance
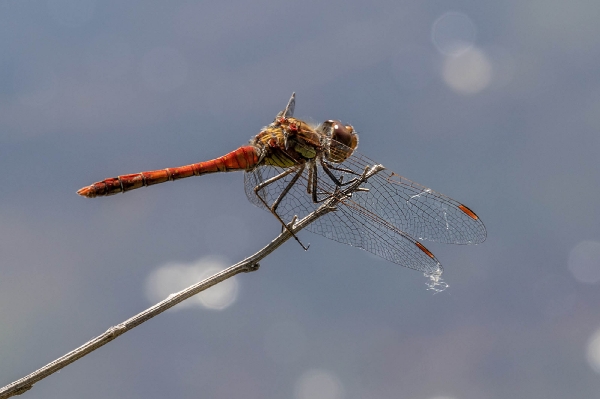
[330, 166]
[331, 176]
[327, 168]
[273, 208]
[313, 181]
[272, 180]
[339, 183]
[311, 186]
[287, 188]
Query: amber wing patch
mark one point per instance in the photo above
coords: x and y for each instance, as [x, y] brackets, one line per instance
[469, 212]
[422, 248]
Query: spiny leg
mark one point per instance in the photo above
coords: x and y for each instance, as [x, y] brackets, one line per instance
[339, 183]
[331, 176]
[334, 167]
[327, 168]
[287, 188]
[273, 207]
[313, 182]
[265, 184]
[272, 180]
[309, 183]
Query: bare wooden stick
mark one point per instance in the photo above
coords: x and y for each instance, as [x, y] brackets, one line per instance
[249, 264]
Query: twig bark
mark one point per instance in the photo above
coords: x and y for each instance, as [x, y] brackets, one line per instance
[249, 264]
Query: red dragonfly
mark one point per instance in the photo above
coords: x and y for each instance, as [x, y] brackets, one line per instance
[292, 167]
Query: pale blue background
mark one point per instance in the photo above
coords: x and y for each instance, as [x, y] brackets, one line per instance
[91, 89]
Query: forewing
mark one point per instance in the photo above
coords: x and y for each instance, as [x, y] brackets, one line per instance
[289, 109]
[414, 209]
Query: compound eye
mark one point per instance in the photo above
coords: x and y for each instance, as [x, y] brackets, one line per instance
[340, 133]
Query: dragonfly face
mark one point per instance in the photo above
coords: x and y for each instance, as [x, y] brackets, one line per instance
[338, 133]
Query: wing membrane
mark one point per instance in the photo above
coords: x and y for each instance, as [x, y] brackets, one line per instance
[350, 224]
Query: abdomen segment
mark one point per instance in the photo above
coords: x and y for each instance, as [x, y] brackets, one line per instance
[244, 158]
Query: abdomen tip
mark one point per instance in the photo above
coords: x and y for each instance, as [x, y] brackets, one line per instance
[87, 192]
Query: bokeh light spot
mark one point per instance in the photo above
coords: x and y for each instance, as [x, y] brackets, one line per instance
[453, 33]
[318, 384]
[468, 73]
[173, 277]
[593, 351]
[584, 262]
[164, 69]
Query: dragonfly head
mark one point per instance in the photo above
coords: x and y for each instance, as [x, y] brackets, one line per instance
[343, 140]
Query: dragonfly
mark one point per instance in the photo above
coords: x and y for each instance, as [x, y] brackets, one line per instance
[292, 167]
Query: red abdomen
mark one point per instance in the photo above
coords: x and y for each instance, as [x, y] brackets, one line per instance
[244, 158]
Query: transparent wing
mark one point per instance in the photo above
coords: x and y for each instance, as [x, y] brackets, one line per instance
[350, 224]
[386, 220]
[417, 210]
[289, 108]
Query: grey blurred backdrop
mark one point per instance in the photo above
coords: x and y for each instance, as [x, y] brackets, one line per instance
[494, 103]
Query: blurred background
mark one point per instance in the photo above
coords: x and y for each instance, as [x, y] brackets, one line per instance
[496, 104]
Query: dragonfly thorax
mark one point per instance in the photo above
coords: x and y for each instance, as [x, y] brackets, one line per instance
[287, 142]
